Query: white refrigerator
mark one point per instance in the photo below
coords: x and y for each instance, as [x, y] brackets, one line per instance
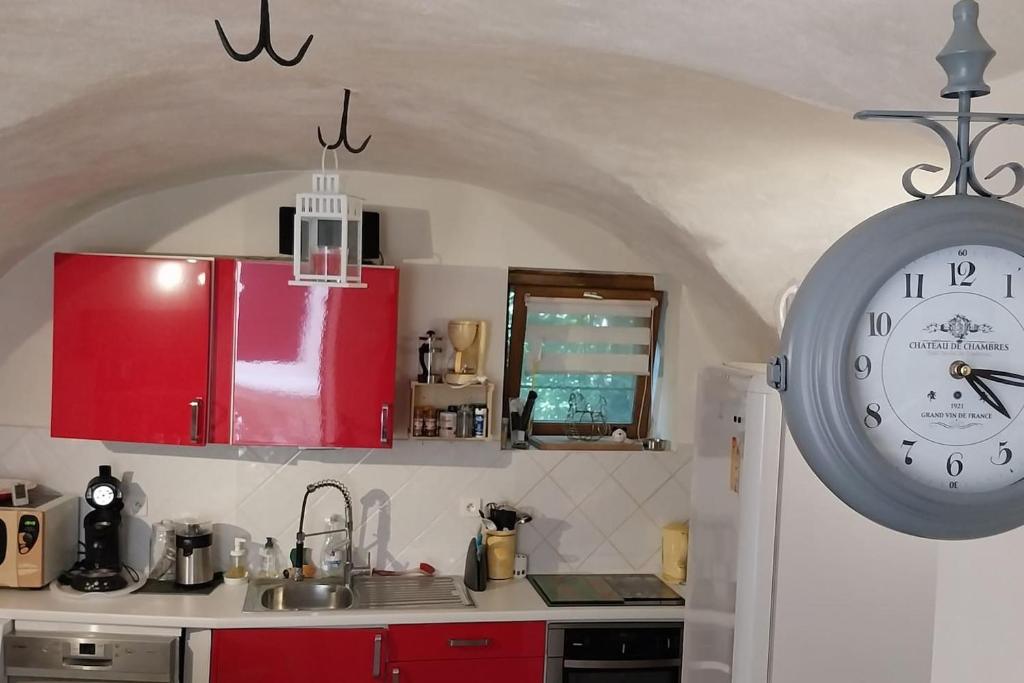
[786, 584]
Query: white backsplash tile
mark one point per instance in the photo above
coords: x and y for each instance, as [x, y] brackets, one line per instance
[641, 475]
[405, 499]
[608, 506]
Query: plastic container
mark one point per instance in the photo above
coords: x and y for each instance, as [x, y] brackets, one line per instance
[238, 571]
[271, 561]
[335, 547]
[161, 551]
[464, 422]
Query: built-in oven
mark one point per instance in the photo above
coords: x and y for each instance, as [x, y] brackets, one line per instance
[615, 653]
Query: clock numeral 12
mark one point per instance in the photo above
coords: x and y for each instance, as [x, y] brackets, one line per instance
[915, 286]
[961, 274]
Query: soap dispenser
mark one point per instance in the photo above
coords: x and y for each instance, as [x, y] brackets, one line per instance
[238, 572]
[270, 561]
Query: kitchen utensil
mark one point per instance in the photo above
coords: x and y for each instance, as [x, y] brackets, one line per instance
[531, 398]
[503, 516]
[424, 569]
[487, 523]
[193, 553]
[475, 575]
[428, 350]
[501, 554]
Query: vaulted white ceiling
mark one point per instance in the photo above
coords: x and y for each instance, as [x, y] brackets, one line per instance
[713, 135]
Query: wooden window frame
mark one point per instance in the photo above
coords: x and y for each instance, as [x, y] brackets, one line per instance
[575, 285]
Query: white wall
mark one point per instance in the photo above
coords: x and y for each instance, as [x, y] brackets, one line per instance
[454, 243]
[854, 601]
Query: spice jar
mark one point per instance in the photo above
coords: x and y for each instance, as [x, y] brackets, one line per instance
[464, 422]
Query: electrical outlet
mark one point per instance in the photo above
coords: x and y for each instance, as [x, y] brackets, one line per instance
[470, 507]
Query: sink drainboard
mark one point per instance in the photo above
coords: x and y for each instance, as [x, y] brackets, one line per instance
[388, 592]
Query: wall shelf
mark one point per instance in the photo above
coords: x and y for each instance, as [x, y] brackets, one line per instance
[440, 395]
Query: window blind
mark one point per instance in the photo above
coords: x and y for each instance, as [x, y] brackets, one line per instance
[589, 336]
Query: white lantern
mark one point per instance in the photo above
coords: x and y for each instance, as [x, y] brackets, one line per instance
[328, 236]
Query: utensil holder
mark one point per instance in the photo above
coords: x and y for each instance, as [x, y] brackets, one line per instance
[501, 554]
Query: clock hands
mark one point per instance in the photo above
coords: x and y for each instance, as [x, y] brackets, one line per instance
[975, 378]
[986, 394]
[1000, 376]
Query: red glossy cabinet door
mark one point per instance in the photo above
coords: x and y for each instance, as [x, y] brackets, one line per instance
[520, 670]
[297, 656]
[311, 366]
[131, 348]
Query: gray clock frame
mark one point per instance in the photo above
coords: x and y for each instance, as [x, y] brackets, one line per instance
[812, 369]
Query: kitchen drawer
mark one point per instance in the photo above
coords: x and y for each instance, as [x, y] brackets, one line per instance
[521, 670]
[465, 641]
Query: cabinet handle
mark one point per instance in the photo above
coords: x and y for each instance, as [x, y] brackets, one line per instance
[396, 676]
[194, 424]
[483, 642]
[385, 413]
[377, 639]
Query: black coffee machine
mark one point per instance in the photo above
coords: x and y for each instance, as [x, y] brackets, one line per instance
[99, 571]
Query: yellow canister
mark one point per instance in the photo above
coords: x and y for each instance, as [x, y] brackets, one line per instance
[674, 541]
[501, 554]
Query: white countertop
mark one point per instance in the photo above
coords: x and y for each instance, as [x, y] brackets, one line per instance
[508, 601]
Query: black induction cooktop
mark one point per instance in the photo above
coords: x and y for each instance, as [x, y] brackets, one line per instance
[575, 590]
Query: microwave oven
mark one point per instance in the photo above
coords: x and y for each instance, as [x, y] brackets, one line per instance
[37, 541]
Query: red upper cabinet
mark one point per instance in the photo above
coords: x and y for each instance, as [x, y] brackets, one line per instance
[190, 351]
[131, 348]
[298, 656]
[310, 366]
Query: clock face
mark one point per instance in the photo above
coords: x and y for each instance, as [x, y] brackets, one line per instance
[936, 369]
[103, 495]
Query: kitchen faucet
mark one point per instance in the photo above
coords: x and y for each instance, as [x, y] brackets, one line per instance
[300, 536]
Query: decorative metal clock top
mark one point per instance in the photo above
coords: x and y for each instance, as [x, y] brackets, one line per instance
[965, 59]
[901, 368]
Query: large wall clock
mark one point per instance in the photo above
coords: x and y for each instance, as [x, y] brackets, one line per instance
[903, 361]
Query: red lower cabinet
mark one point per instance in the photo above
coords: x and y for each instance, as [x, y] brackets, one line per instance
[298, 656]
[451, 653]
[522, 670]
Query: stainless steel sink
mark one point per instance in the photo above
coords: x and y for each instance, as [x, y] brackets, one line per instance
[366, 593]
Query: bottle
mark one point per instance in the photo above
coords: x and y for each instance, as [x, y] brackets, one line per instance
[332, 556]
[237, 572]
[270, 563]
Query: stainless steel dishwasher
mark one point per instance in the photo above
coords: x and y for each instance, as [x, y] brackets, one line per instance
[46, 657]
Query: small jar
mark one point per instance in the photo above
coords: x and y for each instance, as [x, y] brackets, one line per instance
[464, 422]
[417, 422]
[430, 422]
[447, 422]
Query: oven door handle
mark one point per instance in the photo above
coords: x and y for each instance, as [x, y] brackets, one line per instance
[606, 664]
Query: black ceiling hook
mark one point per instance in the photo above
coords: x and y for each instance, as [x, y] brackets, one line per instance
[263, 43]
[343, 131]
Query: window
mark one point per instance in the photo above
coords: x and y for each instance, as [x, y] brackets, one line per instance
[582, 340]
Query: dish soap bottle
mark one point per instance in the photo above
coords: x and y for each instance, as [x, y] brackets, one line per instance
[332, 555]
[270, 564]
[237, 572]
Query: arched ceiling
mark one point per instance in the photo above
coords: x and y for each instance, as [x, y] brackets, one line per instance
[714, 136]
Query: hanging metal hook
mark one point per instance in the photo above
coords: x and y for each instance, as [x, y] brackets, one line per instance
[263, 43]
[343, 131]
